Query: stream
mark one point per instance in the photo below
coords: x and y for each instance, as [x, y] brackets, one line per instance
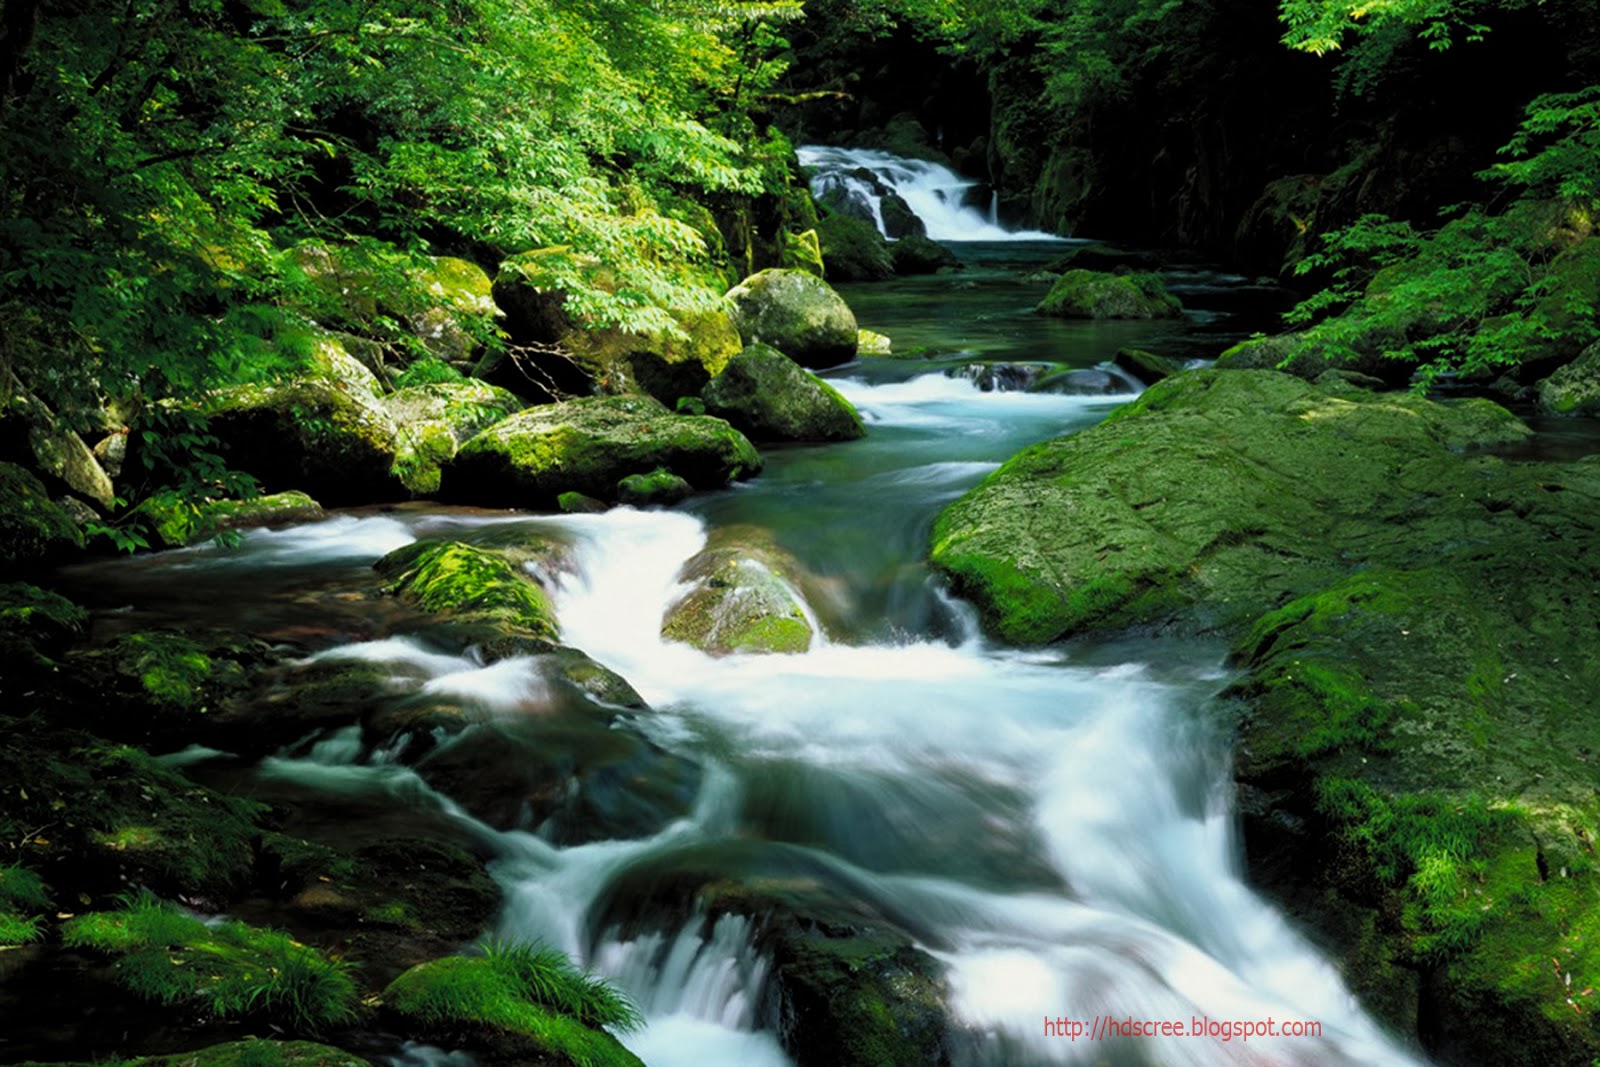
[1054, 825]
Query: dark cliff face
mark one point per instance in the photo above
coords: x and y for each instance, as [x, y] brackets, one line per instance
[1215, 136]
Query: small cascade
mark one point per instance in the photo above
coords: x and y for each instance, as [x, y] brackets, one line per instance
[861, 179]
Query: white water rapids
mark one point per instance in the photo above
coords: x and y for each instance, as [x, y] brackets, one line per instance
[1059, 826]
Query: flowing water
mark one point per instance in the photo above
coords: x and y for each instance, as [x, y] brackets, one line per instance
[1054, 826]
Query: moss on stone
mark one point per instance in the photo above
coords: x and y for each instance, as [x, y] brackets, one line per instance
[659, 487]
[36, 626]
[448, 577]
[798, 314]
[853, 250]
[34, 531]
[588, 446]
[739, 600]
[768, 397]
[1085, 294]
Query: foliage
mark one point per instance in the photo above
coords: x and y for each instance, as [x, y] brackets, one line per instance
[427, 372]
[1483, 290]
[21, 891]
[230, 968]
[170, 172]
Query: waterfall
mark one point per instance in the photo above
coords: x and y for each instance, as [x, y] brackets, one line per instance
[860, 179]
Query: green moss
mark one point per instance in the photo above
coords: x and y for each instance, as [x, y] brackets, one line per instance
[230, 969]
[36, 626]
[1025, 611]
[34, 531]
[452, 578]
[535, 993]
[257, 1053]
[660, 486]
[739, 601]
[1085, 294]
[853, 250]
[22, 896]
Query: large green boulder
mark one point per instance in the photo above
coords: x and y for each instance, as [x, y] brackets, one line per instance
[1212, 497]
[769, 397]
[322, 432]
[916, 254]
[470, 585]
[740, 596]
[433, 421]
[34, 531]
[798, 314]
[1575, 388]
[853, 250]
[459, 312]
[588, 446]
[1087, 294]
[178, 522]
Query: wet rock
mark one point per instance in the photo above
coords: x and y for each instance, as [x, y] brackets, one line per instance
[873, 344]
[1085, 381]
[469, 585]
[36, 628]
[1084, 294]
[768, 397]
[919, 255]
[588, 446]
[799, 315]
[1101, 257]
[899, 221]
[659, 487]
[1148, 367]
[853, 250]
[740, 599]
[1005, 377]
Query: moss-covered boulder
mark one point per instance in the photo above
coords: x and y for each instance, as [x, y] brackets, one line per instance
[58, 451]
[769, 397]
[1215, 496]
[459, 313]
[662, 365]
[178, 522]
[323, 433]
[659, 487]
[741, 597]
[36, 627]
[35, 532]
[796, 313]
[1310, 356]
[469, 585]
[853, 250]
[1148, 367]
[515, 1005]
[1575, 388]
[1086, 294]
[588, 446]
[916, 254]
[100, 817]
[434, 420]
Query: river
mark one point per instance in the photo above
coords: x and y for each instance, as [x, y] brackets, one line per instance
[1056, 825]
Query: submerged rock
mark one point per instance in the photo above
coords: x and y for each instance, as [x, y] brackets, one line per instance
[796, 313]
[588, 446]
[1148, 367]
[1084, 294]
[739, 599]
[1005, 377]
[768, 397]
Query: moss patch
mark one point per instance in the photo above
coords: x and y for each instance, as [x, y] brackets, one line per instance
[469, 584]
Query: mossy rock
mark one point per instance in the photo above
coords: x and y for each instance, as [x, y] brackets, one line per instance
[588, 446]
[99, 817]
[1148, 367]
[36, 627]
[436, 419]
[34, 532]
[798, 314]
[853, 250]
[1420, 722]
[1101, 257]
[739, 599]
[658, 365]
[768, 397]
[1575, 388]
[1213, 498]
[256, 1052]
[178, 522]
[318, 434]
[915, 254]
[462, 313]
[869, 343]
[58, 452]
[659, 487]
[1085, 294]
[506, 1010]
[469, 585]
[803, 251]
[1310, 356]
